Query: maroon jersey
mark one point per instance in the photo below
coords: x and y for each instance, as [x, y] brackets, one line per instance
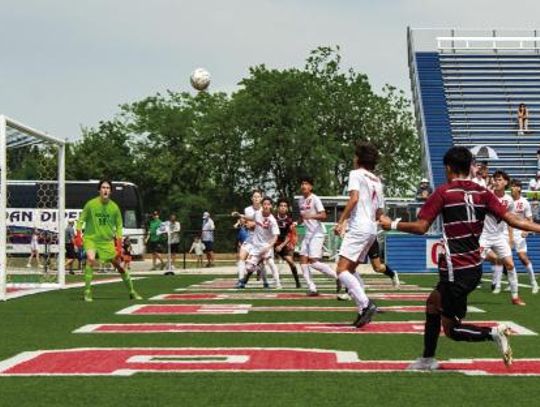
[284, 225]
[463, 205]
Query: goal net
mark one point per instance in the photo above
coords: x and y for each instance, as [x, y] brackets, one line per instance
[32, 209]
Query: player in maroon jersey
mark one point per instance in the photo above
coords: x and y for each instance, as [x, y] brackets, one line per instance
[286, 241]
[463, 206]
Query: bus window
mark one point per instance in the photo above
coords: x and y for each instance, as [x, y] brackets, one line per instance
[130, 219]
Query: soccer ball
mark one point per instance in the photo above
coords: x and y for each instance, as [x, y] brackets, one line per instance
[200, 79]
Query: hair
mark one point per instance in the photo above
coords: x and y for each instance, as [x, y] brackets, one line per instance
[459, 160]
[502, 174]
[515, 183]
[257, 190]
[367, 155]
[282, 200]
[104, 180]
[267, 198]
[306, 178]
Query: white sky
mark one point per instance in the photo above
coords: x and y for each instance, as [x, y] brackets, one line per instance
[68, 63]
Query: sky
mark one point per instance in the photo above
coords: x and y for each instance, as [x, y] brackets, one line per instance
[69, 64]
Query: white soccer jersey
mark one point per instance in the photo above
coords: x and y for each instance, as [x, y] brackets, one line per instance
[492, 228]
[522, 208]
[311, 205]
[370, 198]
[249, 214]
[266, 228]
[480, 181]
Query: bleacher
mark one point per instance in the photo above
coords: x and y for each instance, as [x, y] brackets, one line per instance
[467, 92]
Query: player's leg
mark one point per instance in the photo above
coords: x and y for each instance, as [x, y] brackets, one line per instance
[243, 253]
[521, 249]
[304, 265]
[275, 272]
[90, 249]
[315, 255]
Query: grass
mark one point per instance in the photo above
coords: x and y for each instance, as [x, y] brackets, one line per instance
[45, 321]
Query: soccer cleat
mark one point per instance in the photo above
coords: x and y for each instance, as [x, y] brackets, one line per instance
[312, 294]
[366, 315]
[278, 287]
[496, 290]
[535, 289]
[28, 266]
[518, 301]
[500, 336]
[507, 289]
[395, 281]
[88, 296]
[134, 296]
[343, 297]
[266, 285]
[240, 284]
[424, 365]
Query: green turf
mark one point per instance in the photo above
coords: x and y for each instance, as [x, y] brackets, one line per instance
[45, 321]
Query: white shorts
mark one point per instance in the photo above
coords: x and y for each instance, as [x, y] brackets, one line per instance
[356, 245]
[498, 244]
[257, 254]
[520, 243]
[312, 246]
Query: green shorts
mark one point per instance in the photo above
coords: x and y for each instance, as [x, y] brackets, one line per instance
[104, 250]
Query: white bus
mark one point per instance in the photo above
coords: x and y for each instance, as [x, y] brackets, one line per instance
[31, 203]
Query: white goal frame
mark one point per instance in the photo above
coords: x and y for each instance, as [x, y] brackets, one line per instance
[5, 123]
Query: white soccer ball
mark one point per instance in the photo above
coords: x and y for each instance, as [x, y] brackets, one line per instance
[200, 79]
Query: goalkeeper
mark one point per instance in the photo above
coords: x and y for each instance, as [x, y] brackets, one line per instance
[102, 222]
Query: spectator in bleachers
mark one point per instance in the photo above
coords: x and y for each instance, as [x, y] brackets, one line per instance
[534, 183]
[424, 190]
[523, 119]
[538, 160]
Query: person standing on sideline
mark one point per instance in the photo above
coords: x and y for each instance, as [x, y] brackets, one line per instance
[197, 247]
[153, 240]
[463, 206]
[102, 222]
[207, 236]
[171, 228]
[523, 119]
[312, 212]
[34, 249]
[70, 246]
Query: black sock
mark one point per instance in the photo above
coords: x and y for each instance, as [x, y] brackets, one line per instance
[432, 330]
[470, 333]
[389, 272]
[338, 286]
[246, 278]
[294, 272]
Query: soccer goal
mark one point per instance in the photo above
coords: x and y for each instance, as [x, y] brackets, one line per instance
[32, 210]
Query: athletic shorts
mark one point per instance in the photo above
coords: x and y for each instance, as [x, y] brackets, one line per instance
[70, 251]
[208, 246]
[454, 294]
[498, 244]
[520, 243]
[154, 247]
[312, 246]
[175, 248]
[256, 254]
[284, 252]
[104, 250]
[356, 245]
[374, 251]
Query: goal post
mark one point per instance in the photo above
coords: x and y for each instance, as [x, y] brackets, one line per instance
[32, 202]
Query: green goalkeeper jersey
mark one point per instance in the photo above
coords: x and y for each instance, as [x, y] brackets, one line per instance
[102, 221]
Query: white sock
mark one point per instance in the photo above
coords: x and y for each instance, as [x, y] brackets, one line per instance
[530, 271]
[262, 267]
[324, 268]
[513, 280]
[241, 265]
[355, 290]
[497, 275]
[307, 276]
[275, 272]
[359, 278]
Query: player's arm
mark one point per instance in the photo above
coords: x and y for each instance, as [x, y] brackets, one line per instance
[250, 224]
[519, 223]
[351, 202]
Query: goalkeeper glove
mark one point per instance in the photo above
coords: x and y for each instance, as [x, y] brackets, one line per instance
[118, 247]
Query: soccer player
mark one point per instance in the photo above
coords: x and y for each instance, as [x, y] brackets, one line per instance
[243, 252]
[463, 206]
[102, 223]
[286, 241]
[264, 237]
[496, 237]
[360, 216]
[374, 256]
[312, 213]
[522, 208]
